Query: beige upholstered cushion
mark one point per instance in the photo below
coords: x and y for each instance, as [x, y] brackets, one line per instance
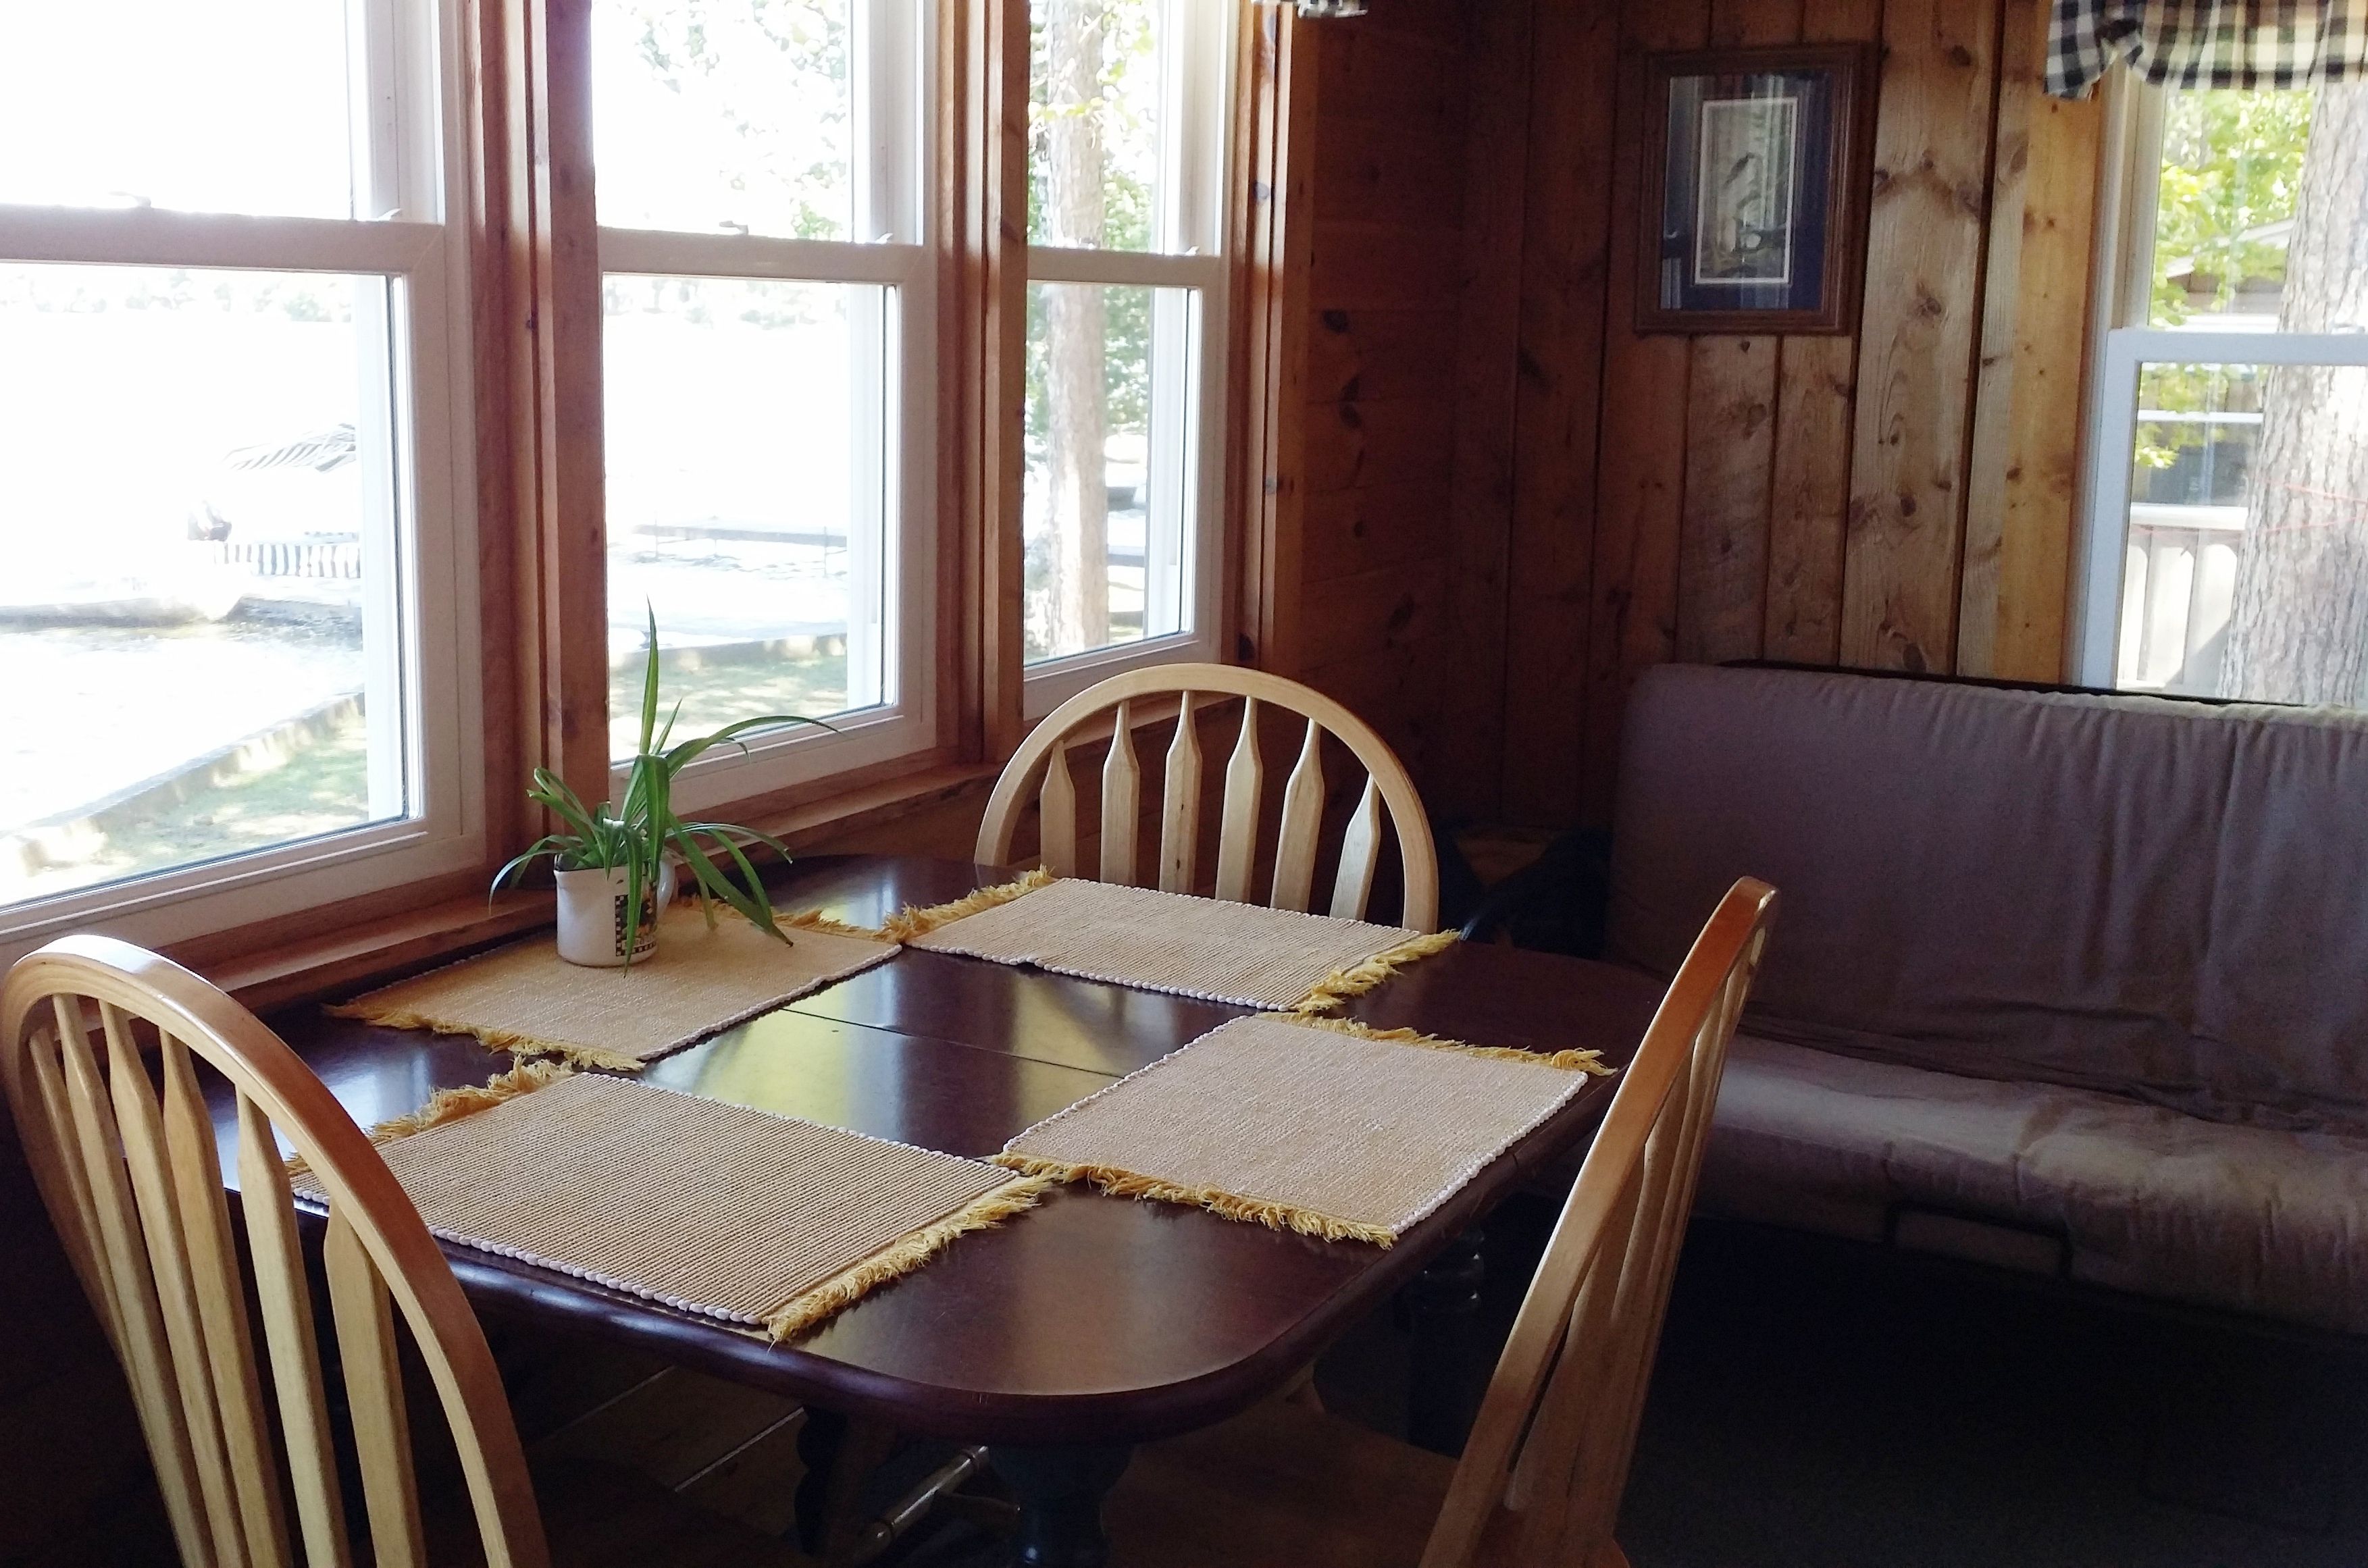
[2159, 899]
[2149, 1199]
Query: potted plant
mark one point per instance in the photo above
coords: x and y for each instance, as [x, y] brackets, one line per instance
[610, 859]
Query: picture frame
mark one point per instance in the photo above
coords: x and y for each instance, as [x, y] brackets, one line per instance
[1755, 188]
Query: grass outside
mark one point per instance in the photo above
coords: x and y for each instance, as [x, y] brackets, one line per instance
[721, 693]
[318, 790]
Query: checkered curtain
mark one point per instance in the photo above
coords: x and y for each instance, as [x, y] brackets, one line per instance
[2208, 43]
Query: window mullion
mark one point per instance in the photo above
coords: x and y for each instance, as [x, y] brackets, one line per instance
[156, 237]
[756, 256]
[1119, 268]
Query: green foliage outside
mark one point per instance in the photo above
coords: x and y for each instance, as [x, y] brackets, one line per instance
[694, 47]
[2231, 168]
[1130, 85]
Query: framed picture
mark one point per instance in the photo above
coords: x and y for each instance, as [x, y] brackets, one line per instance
[1755, 166]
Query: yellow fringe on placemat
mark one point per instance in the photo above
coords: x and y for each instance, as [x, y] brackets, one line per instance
[1254, 1211]
[802, 1312]
[1589, 1062]
[915, 923]
[815, 920]
[1346, 984]
[366, 1011]
[463, 1101]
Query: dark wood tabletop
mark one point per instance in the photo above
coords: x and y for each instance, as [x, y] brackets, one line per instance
[1091, 1320]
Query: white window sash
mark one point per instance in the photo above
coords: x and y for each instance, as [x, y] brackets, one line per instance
[2105, 541]
[892, 535]
[1185, 533]
[429, 598]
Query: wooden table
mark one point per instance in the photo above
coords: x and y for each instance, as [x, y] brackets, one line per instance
[1069, 1335]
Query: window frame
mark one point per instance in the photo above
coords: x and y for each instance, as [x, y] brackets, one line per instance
[2124, 343]
[1198, 96]
[410, 102]
[527, 636]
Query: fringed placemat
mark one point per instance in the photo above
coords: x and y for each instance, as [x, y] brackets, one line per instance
[702, 980]
[1317, 1126]
[711, 1209]
[1204, 948]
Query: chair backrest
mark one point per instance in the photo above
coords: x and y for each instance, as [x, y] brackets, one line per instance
[1542, 1475]
[133, 1181]
[1388, 786]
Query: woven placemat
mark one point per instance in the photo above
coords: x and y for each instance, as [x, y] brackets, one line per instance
[711, 1209]
[1327, 1128]
[1204, 948]
[526, 998]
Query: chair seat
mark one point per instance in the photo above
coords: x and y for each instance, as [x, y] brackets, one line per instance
[1281, 1486]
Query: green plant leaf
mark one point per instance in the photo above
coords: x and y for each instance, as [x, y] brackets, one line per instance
[650, 679]
[749, 897]
[683, 755]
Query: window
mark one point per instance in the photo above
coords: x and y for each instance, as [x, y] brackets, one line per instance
[234, 513]
[2228, 548]
[1126, 308]
[756, 347]
[767, 332]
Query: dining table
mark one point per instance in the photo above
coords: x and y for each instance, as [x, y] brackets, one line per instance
[1060, 1340]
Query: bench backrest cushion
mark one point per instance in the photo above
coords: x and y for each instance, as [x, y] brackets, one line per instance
[2160, 899]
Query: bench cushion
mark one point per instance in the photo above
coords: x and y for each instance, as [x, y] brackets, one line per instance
[2145, 1198]
[2157, 899]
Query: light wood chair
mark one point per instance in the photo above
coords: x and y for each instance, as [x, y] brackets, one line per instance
[1386, 785]
[133, 1183]
[1541, 1474]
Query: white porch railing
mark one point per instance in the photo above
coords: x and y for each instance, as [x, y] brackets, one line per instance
[2179, 580]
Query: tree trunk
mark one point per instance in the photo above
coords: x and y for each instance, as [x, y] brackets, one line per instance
[2298, 628]
[1076, 329]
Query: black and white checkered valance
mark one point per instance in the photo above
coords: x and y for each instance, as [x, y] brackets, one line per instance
[2208, 43]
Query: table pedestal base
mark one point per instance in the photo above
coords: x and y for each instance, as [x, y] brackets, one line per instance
[1443, 1307]
[1059, 1493]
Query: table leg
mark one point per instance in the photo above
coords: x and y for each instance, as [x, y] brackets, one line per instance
[1443, 1306]
[1060, 1492]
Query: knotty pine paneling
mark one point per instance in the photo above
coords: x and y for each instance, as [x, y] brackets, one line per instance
[1385, 291]
[1914, 415]
[1509, 502]
[1807, 498]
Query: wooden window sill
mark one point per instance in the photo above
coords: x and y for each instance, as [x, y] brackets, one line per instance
[305, 971]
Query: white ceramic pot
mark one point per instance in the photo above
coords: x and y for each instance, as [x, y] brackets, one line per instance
[592, 921]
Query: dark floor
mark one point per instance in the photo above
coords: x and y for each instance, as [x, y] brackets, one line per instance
[1821, 1403]
[1815, 1402]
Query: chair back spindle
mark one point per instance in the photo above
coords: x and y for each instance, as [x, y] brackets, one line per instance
[1387, 800]
[132, 1179]
[1542, 1475]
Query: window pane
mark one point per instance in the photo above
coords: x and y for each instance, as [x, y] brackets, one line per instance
[162, 103]
[1108, 428]
[197, 568]
[2263, 201]
[732, 116]
[1095, 95]
[2246, 572]
[748, 486]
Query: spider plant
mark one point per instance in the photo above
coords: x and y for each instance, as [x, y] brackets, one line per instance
[637, 835]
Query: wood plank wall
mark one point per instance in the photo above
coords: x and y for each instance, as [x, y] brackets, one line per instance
[1380, 109]
[1513, 503]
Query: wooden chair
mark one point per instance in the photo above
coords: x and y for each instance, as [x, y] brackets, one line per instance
[1541, 1474]
[133, 1183]
[1386, 783]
